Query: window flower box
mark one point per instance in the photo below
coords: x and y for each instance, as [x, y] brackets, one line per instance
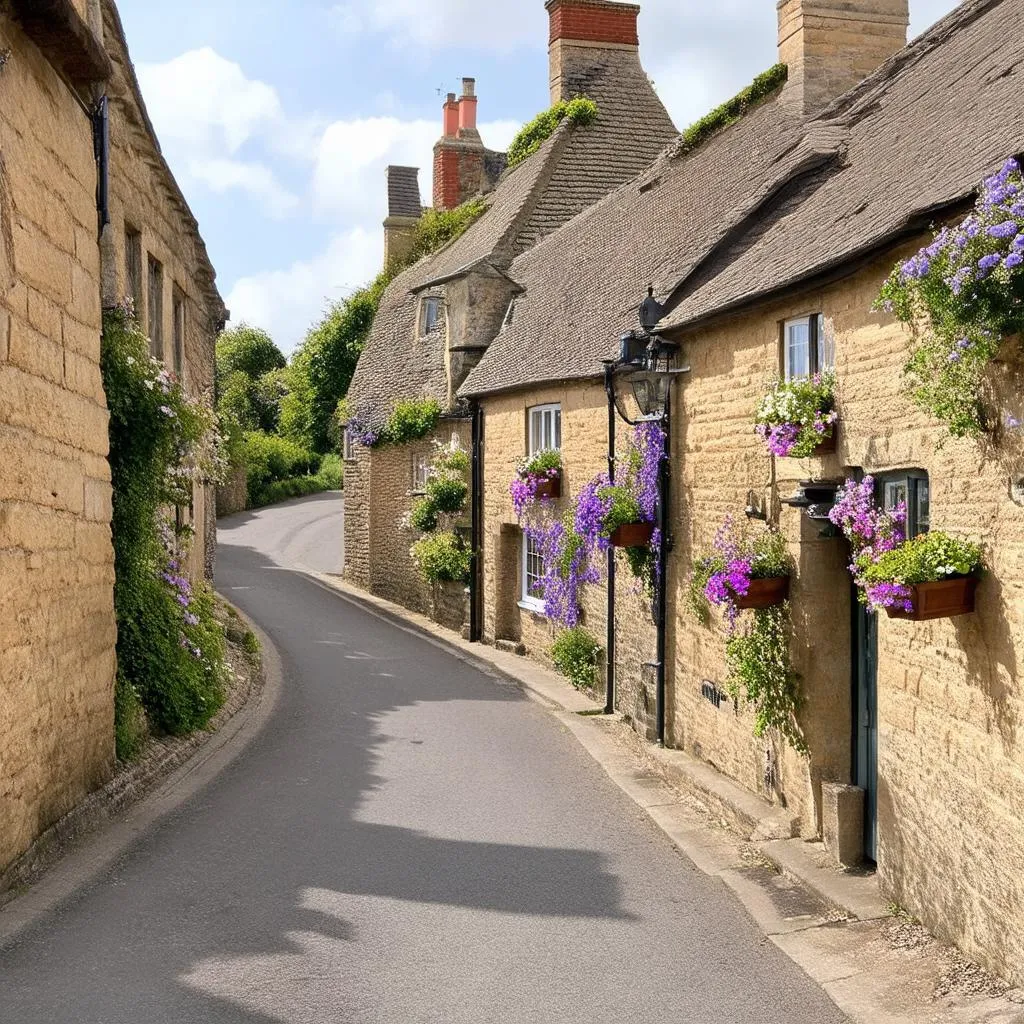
[764, 593]
[797, 418]
[547, 485]
[632, 535]
[829, 445]
[942, 600]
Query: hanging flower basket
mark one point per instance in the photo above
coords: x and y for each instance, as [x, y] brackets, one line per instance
[829, 445]
[942, 600]
[548, 485]
[765, 593]
[632, 535]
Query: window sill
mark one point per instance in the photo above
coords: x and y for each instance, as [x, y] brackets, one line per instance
[535, 608]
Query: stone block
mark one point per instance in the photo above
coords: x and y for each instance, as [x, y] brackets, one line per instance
[842, 822]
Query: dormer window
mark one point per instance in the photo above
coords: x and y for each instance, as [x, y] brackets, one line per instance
[430, 314]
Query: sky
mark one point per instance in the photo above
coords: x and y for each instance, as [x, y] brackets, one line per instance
[278, 117]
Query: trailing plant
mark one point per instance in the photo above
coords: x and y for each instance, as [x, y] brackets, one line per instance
[447, 493]
[580, 111]
[575, 653]
[960, 296]
[725, 574]
[728, 113]
[928, 558]
[436, 228]
[573, 547]
[410, 420]
[760, 673]
[442, 558]
[170, 648]
[871, 530]
[798, 415]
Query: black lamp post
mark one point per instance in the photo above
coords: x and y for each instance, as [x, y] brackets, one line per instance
[645, 363]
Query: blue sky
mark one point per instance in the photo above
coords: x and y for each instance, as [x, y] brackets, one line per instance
[279, 116]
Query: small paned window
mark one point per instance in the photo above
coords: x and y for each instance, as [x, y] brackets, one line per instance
[430, 314]
[545, 428]
[347, 452]
[156, 308]
[533, 573]
[807, 347]
[912, 487]
[133, 267]
[179, 332]
[420, 472]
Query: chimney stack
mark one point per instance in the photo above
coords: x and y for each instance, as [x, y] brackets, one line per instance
[831, 45]
[460, 164]
[580, 29]
[404, 211]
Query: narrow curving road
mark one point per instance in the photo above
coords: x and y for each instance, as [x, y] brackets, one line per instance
[409, 840]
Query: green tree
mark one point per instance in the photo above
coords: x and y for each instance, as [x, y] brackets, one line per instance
[249, 350]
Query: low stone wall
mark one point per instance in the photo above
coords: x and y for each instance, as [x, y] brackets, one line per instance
[450, 605]
[233, 493]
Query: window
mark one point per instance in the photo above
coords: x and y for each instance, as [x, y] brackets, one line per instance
[533, 572]
[346, 444]
[133, 267]
[430, 314]
[545, 428]
[807, 346]
[179, 332]
[913, 488]
[156, 308]
[420, 470]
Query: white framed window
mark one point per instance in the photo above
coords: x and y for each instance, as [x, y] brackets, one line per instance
[532, 597]
[420, 472]
[807, 346]
[545, 428]
[347, 452]
[430, 314]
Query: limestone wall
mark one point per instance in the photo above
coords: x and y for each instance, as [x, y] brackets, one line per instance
[57, 630]
[584, 456]
[950, 692]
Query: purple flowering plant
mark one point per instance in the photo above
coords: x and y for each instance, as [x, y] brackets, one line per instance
[725, 573]
[961, 295]
[574, 547]
[796, 416]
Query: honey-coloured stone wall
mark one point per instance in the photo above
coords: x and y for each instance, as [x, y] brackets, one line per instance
[57, 631]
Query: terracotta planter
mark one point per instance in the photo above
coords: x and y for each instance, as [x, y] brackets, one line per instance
[632, 535]
[765, 593]
[941, 600]
[549, 486]
[828, 446]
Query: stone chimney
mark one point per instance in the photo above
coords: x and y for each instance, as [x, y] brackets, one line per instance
[459, 155]
[831, 45]
[579, 30]
[404, 211]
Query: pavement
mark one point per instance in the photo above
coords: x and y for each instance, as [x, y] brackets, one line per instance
[416, 834]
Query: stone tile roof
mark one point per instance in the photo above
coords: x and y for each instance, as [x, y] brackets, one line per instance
[583, 284]
[404, 192]
[574, 168]
[921, 134]
[770, 200]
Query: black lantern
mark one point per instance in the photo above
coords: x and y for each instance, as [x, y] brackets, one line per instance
[650, 389]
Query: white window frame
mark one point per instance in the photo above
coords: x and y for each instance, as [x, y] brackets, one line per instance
[347, 448]
[820, 346]
[426, 303]
[420, 472]
[528, 601]
[550, 420]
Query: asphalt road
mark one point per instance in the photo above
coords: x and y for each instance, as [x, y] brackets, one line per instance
[409, 840]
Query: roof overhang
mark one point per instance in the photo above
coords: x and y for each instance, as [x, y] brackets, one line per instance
[67, 42]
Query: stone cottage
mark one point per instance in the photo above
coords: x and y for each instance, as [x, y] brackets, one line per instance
[57, 63]
[438, 317]
[805, 206]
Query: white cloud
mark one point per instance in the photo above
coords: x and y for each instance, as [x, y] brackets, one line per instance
[255, 179]
[287, 302]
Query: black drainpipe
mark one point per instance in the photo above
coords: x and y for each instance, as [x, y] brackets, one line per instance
[476, 589]
[609, 704]
[663, 524]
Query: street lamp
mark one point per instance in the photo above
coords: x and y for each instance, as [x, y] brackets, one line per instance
[645, 363]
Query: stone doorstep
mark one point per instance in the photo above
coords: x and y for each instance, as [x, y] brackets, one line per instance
[770, 828]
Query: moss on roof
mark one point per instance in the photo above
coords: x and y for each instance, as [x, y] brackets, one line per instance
[728, 113]
[535, 133]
